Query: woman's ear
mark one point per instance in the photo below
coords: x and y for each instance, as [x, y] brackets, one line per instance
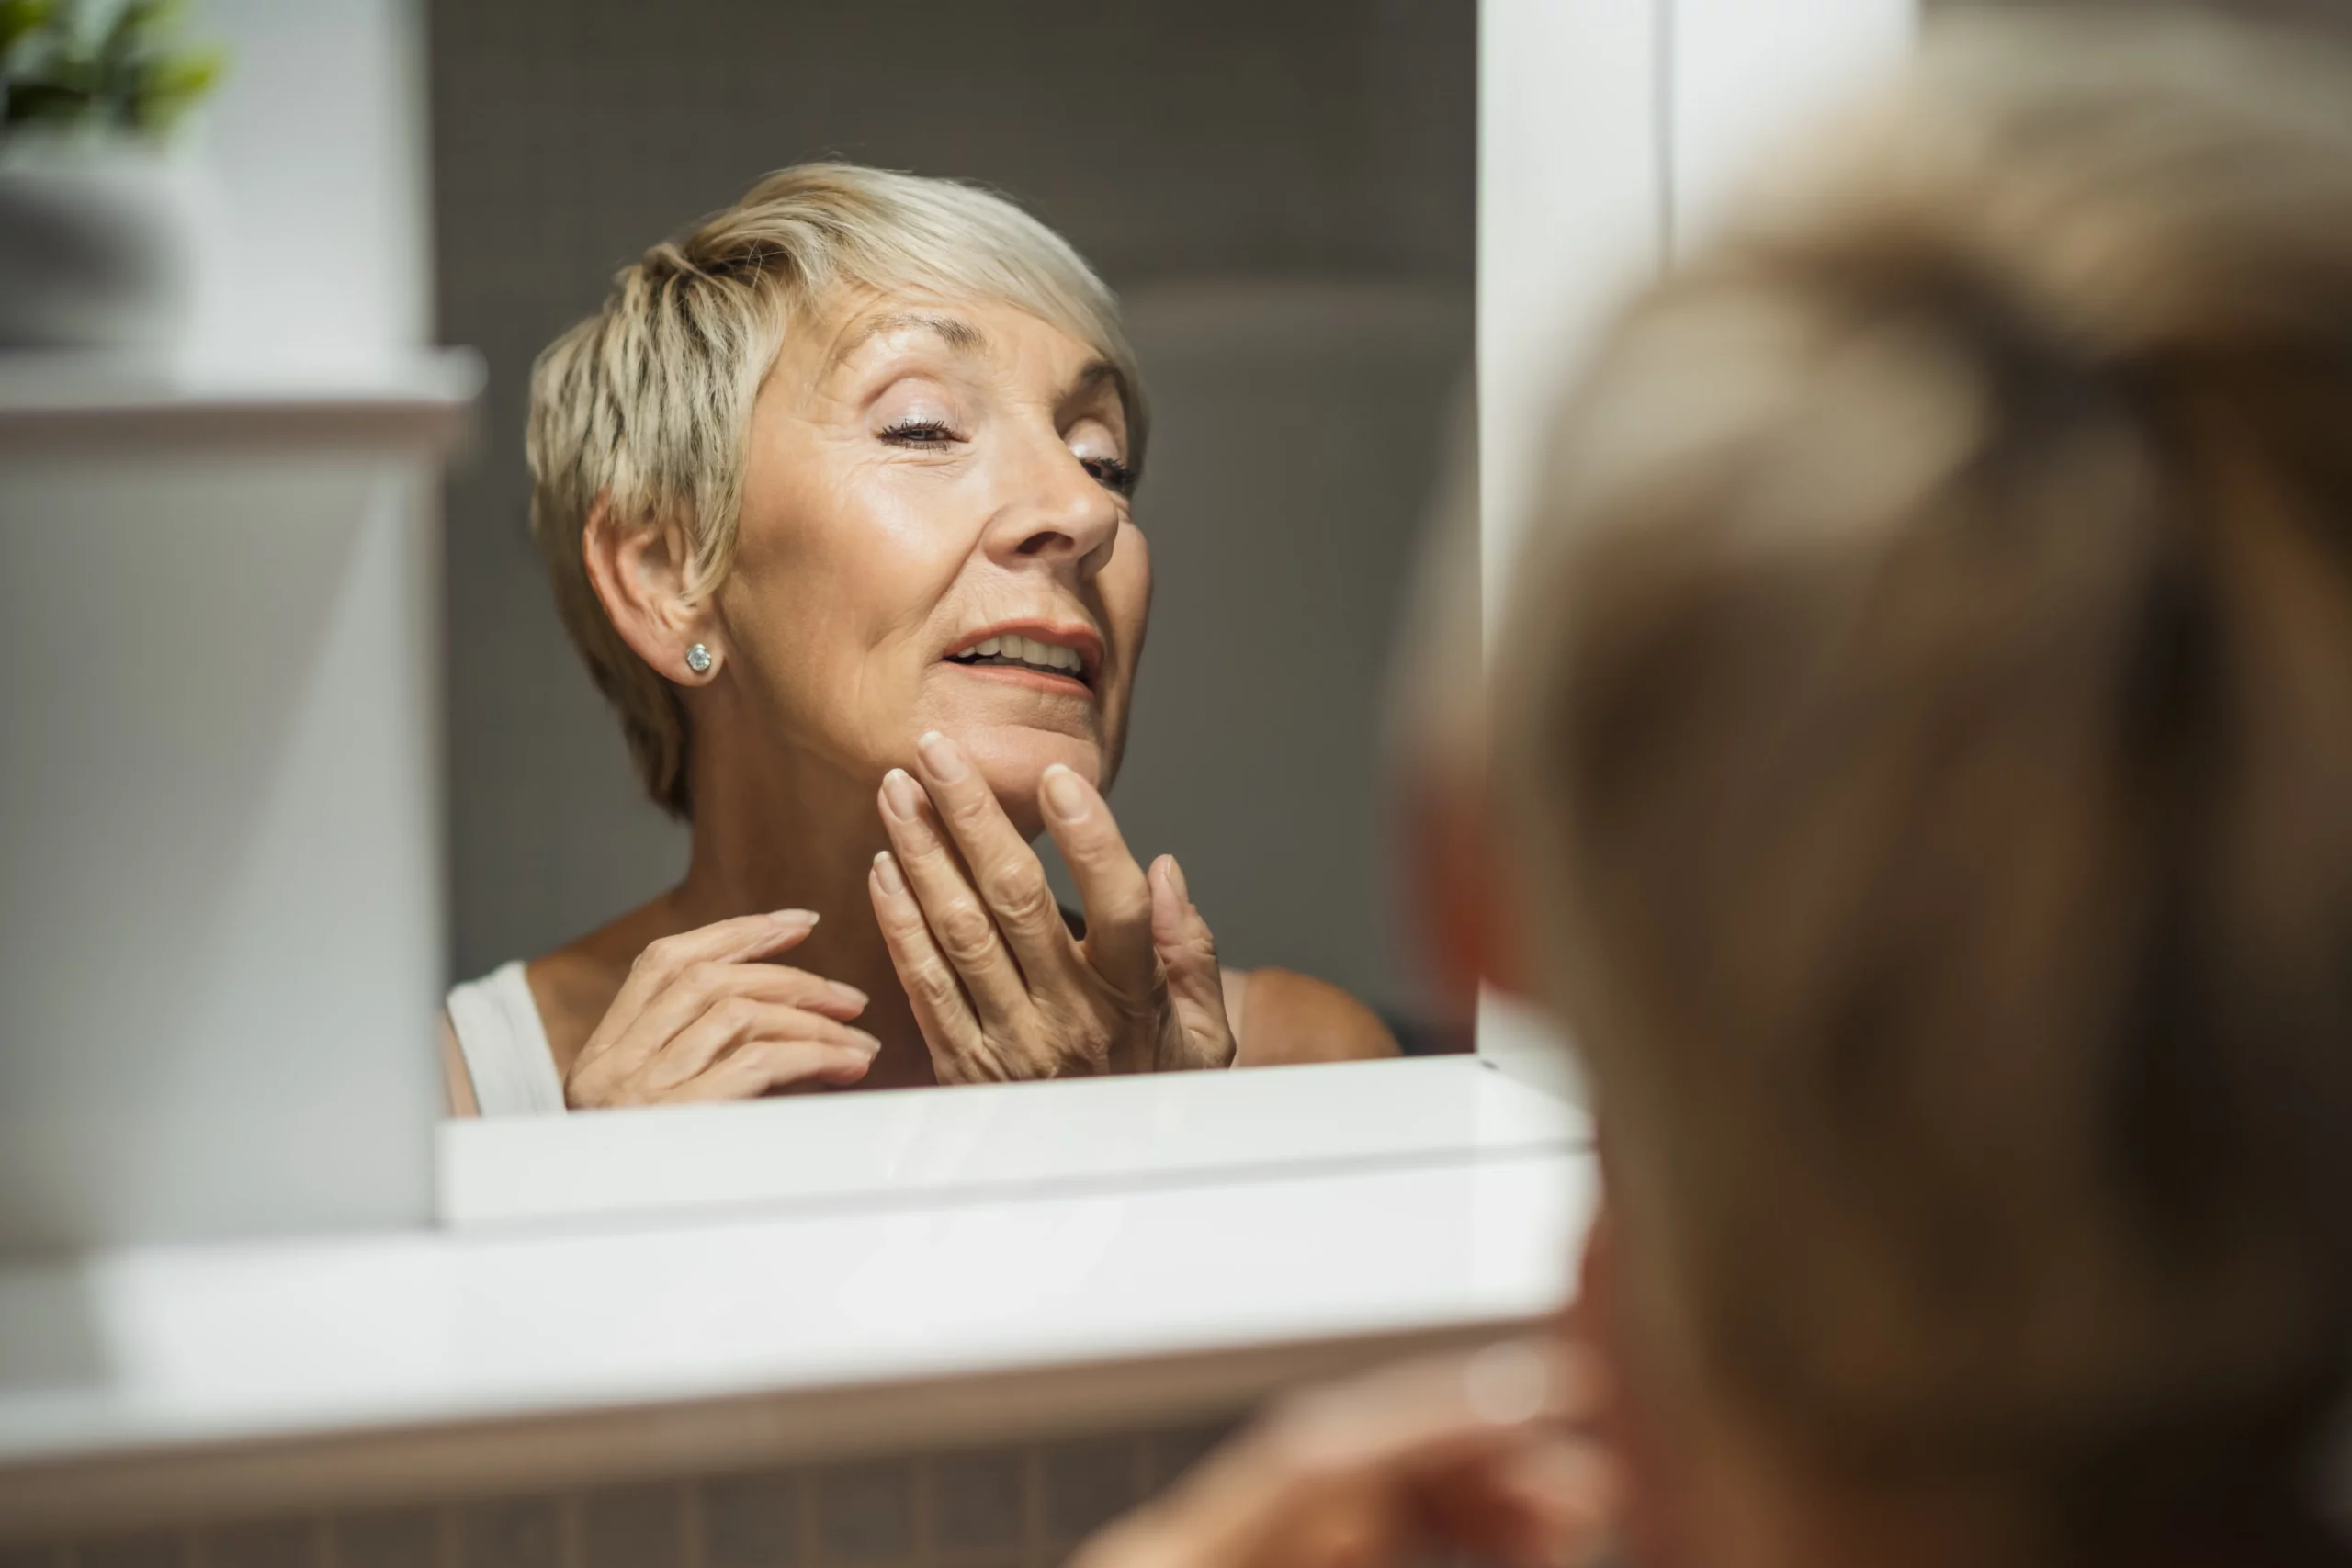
[640, 573]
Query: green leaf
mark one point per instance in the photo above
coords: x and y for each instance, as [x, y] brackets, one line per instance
[126, 76]
[171, 87]
[21, 19]
[133, 32]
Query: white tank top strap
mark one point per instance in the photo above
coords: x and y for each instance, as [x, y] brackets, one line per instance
[505, 1046]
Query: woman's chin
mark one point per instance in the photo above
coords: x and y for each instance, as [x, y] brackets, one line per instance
[1013, 759]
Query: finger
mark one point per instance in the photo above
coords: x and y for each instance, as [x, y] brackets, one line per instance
[1187, 949]
[1006, 871]
[1341, 1458]
[1441, 1410]
[1110, 884]
[746, 936]
[764, 1066]
[958, 918]
[738, 1021]
[1551, 1501]
[943, 1009]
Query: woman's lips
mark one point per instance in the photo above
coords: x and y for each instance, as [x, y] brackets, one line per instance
[1063, 648]
[1023, 676]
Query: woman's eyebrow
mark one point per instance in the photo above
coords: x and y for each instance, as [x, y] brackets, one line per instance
[1094, 374]
[957, 333]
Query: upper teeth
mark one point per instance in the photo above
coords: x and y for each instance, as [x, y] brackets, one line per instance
[1029, 650]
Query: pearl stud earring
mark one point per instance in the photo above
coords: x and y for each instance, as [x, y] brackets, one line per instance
[698, 660]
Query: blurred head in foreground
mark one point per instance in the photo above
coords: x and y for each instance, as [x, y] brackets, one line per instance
[1925, 714]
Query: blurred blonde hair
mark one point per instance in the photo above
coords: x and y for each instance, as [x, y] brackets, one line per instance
[1926, 712]
[644, 408]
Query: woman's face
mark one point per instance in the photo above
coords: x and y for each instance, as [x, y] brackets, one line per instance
[935, 535]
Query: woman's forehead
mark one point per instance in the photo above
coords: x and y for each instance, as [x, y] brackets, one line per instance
[997, 332]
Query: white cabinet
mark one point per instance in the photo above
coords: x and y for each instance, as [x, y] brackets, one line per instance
[220, 921]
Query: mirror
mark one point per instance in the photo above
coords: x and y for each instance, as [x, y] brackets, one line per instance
[935, 534]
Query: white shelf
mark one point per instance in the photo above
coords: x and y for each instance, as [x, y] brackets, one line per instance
[167, 1382]
[53, 403]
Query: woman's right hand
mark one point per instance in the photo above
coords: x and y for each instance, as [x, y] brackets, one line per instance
[699, 1017]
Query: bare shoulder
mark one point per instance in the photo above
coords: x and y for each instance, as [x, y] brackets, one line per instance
[1289, 1016]
[574, 985]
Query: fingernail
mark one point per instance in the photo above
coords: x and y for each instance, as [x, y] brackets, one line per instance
[1176, 880]
[1508, 1383]
[886, 868]
[1065, 796]
[849, 994]
[794, 917]
[939, 755]
[904, 797]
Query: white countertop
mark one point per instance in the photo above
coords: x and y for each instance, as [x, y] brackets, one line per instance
[217, 1371]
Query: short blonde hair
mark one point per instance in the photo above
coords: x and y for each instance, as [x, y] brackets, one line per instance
[644, 409]
[1925, 714]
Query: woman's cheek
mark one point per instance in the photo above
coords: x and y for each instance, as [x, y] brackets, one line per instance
[1126, 590]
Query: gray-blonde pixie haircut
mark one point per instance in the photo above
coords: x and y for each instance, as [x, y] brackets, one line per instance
[645, 407]
[1925, 720]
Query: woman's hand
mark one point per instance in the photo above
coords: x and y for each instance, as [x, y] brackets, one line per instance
[1478, 1454]
[699, 1018]
[1000, 986]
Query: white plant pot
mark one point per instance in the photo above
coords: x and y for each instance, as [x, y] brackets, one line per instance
[97, 246]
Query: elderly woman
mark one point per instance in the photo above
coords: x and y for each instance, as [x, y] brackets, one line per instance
[836, 498]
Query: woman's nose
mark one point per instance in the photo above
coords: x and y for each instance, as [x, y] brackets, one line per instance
[1059, 514]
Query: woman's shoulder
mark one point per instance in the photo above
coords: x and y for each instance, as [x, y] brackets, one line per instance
[1287, 1017]
[495, 1048]
[515, 1030]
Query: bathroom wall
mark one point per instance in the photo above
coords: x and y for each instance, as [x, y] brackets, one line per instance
[1285, 194]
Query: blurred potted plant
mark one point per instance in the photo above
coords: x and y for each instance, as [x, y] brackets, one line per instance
[97, 232]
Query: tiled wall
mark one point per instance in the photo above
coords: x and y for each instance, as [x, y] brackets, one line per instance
[1005, 1507]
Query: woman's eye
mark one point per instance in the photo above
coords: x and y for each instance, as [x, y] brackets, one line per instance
[1110, 473]
[919, 432]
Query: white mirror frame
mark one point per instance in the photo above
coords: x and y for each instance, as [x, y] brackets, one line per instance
[1608, 129]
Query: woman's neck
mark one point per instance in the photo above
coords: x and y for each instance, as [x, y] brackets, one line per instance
[793, 832]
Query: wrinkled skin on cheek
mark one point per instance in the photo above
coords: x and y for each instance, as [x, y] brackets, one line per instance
[862, 562]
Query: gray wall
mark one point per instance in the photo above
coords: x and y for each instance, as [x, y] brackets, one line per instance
[1283, 192]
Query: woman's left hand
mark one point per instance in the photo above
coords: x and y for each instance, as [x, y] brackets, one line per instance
[1000, 986]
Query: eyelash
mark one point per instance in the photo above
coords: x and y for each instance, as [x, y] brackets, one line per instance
[920, 432]
[1110, 473]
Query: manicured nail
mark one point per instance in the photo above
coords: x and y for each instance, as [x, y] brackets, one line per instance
[794, 917]
[848, 994]
[1065, 796]
[939, 755]
[1176, 883]
[905, 798]
[886, 871]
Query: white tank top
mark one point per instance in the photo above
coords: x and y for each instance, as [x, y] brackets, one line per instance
[505, 1046]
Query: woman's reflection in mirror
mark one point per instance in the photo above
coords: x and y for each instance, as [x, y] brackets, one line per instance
[836, 494]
